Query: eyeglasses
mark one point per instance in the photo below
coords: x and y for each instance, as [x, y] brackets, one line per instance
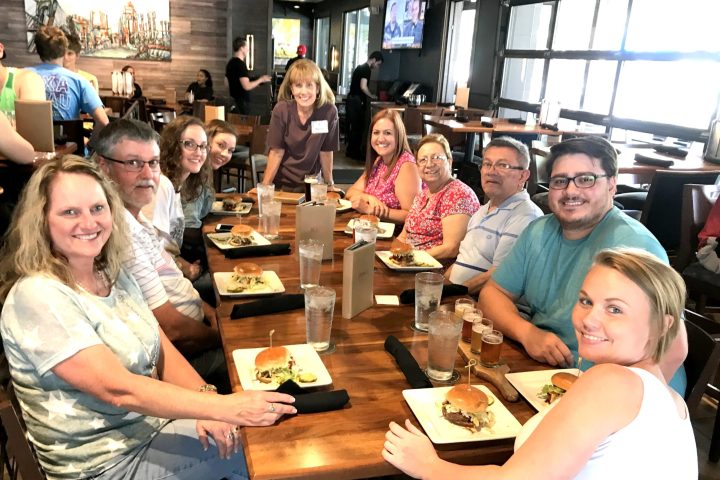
[433, 158]
[584, 180]
[499, 166]
[136, 165]
[191, 146]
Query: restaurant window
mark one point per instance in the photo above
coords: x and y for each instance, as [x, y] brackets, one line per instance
[356, 27]
[643, 65]
[322, 42]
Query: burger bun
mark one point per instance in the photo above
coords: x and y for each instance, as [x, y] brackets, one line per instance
[371, 219]
[563, 380]
[242, 230]
[467, 398]
[273, 357]
[400, 248]
[247, 269]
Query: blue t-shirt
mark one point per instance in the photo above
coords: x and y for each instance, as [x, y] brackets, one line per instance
[69, 92]
[547, 270]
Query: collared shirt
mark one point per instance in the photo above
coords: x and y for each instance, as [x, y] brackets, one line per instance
[491, 235]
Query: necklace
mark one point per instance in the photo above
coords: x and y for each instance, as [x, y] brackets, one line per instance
[100, 284]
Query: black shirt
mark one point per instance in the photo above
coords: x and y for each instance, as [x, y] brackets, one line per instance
[234, 71]
[200, 93]
[360, 72]
[291, 61]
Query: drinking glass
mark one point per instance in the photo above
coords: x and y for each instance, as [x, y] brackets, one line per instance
[365, 232]
[428, 291]
[480, 325]
[309, 181]
[270, 220]
[318, 192]
[265, 194]
[492, 341]
[319, 308]
[443, 339]
[311, 252]
[462, 306]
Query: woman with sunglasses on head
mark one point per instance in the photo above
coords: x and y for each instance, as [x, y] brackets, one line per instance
[439, 215]
[391, 180]
[91, 368]
[183, 160]
[620, 419]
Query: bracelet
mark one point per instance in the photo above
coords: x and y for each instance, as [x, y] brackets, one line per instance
[208, 387]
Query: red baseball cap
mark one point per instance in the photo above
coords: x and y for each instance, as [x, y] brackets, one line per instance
[301, 50]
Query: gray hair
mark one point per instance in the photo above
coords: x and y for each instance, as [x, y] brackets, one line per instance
[523, 155]
[121, 129]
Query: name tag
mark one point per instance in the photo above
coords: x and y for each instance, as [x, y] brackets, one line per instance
[319, 126]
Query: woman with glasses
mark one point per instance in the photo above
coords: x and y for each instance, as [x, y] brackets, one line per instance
[391, 180]
[619, 419]
[183, 155]
[303, 130]
[98, 381]
[439, 215]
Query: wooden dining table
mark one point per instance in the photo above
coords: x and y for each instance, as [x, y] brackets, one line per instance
[345, 443]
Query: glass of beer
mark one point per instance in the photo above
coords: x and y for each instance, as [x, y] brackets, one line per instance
[309, 181]
[491, 345]
[463, 306]
[480, 325]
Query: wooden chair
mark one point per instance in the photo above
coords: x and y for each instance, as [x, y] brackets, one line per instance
[701, 366]
[240, 162]
[74, 132]
[701, 283]
[258, 152]
[18, 454]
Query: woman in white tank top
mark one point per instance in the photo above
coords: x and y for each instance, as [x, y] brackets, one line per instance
[620, 419]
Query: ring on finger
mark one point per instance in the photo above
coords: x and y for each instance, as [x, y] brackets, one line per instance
[272, 408]
[230, 435]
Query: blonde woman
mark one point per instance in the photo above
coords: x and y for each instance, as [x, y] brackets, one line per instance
[303, 130]
[620, 419]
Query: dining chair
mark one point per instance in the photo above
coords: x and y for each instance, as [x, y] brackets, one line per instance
[18, 454]
[413, 121]
[258, 152]
[73, 131]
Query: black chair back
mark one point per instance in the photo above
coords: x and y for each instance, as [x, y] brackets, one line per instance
[18, 454]
[702, 359]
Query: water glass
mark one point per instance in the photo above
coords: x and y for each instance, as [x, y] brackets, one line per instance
[319, 308]
[318, 192]
[365, 232]
[491, 345]
[270, 220]
[480, 326]
[428, 292]
[265, 193]
[311, 252]
[443, 339]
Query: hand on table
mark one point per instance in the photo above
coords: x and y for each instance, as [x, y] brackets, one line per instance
[191, 271]
[370, 205]
[409, 450]
[226, 436]
[258, 408]
[547, 347]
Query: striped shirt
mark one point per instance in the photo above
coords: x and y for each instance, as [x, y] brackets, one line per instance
[155, 271]
[490, 236]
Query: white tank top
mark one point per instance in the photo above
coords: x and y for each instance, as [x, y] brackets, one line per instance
[657, 444]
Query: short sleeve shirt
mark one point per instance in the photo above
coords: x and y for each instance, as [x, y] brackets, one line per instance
[69, 92]
[360, 72]
[198, 208]
[383, 188]
[302, 147]
[423, 224]
[75, 434]
[166, 214]
[234, 71]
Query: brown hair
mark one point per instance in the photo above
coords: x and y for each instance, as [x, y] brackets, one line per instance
[51, 43]
[171, 153]
[592, 146]
[217, 126]
[401, 141]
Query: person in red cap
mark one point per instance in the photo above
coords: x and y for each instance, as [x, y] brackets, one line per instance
[301, 51]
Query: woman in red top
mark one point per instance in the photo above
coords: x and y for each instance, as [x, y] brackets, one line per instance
[439, 216]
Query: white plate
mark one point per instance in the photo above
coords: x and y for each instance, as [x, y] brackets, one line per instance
[419, 255]
[274, 285]
[529, 384]
[426, 404]
[306, 359]
[217, 209]
[221, 240]
[385, 230]
[344, 206]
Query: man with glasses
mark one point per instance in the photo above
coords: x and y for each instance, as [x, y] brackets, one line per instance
[127, 151]
[495, 227]
[550, 259]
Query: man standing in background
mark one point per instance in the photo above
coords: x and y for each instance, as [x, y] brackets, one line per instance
[237, 77]
[301, 51]
[358, 106]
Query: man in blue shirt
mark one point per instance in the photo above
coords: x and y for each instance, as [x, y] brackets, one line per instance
[69, 92]
[549, 261]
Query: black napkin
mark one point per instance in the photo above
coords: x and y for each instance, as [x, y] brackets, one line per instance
[407, 363]
[452, 290]
[258, 250]
[313, 402]
[281, 303]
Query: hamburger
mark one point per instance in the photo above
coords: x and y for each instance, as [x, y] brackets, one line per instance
[231, 204]
[241, 236]
[275, 365]
[561, 382]
[372, 220]
[246, 276]
[333, 198]
[401, 253]
[466, 406]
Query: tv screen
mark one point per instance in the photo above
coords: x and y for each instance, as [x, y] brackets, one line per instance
[404, 22]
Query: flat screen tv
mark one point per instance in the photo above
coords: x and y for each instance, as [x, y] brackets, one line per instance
[404, 22]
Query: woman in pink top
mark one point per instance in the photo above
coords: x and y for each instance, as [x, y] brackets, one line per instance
[391, 180]
[439, 216]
